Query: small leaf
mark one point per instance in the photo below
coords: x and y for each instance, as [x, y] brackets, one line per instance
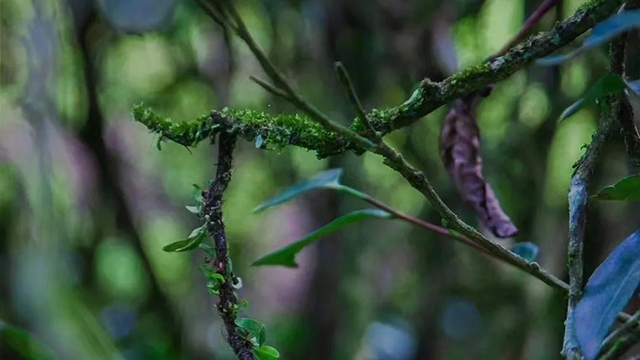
[194, 240]
[176, 246]
[323, 180]
[193, 209]
[197, 195]
[634, 86]
[601, 33]
[22, 343]
[259, 142]
[286, 255]
[627, 189]
[526, 250]
[607, 85]
[267, 353]
[208, 249]
[607, 293]
[253, 327]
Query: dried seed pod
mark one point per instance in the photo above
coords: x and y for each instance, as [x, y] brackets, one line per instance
[460, 151]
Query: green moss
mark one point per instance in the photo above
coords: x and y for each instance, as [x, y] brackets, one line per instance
[277, 131]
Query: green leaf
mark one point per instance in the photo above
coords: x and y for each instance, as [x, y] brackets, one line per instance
[627, 189]
[267, 353]
[22, 343]
[208, 249]
[193, 209]
[323, 180]
[606, 85]
[254, 328]
[526, 250]
[197, 195]
[601, 34]
[607, 292]
[286, 256]
[192, 242]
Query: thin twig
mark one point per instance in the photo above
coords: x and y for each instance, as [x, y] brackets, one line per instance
[623, 345]
[270, 88]
[632, 323]
[621, 106]
[212, 210]
[528, 25]
[281, 82]
[347, 84]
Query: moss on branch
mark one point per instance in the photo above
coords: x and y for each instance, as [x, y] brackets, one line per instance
[280, 130]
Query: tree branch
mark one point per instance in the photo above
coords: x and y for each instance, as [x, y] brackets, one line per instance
[578, 196]
[428, 97]
[212, 210]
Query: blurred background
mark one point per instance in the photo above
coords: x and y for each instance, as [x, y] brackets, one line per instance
[87, 201]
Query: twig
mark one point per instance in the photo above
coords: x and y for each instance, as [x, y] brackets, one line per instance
[212, 210]
[270, 88]
[621, 105]
[622, 345]
[281, 82]
[345, 81]
[528, 25]
[628, 326]
[578, 196]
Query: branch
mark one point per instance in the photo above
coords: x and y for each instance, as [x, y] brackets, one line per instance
[212, 210]
[622, 109]
[578, 196]
[428, 97]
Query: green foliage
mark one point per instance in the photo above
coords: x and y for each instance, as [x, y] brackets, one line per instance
[193, 241]
[256, 332]
[329, 179]
[609, 84]
[253, 330]
[267, 353]
[22, 343]
[627, 189]
[286, 255]
[214, 279]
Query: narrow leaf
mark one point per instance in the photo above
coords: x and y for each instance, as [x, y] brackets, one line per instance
[607, 85]
[601, 34]
[460, 150]
[634, 86]
[612, 27]
[267, 353]
[627, 189]
[194, 240]
[287, 255]
[554, 60]
[606, 294]
[526, 250]
[22, 343]
[325, 179]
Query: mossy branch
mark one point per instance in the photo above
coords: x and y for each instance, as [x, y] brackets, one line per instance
[282, 130]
